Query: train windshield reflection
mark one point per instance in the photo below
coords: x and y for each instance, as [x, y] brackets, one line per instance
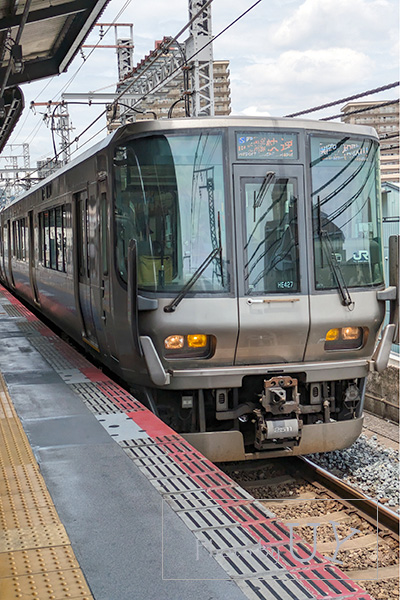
[169, 197]
[271, 249]
[346, 211]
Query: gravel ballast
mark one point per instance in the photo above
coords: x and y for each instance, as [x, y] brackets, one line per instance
[368, 465]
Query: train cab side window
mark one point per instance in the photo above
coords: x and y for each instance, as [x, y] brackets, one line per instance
[19, 234]
[169, 198]
[55, 237]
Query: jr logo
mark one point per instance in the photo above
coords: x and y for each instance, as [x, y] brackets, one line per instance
[361, 256]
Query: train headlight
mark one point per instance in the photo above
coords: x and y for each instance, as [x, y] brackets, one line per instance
[332, 335]
[345, 338]
[193, 345]
[351, 333]
[174, 342]
[197, 340]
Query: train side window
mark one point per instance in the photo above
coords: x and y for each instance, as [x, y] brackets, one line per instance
[55, 237]
[47, 238]
[53, 248]
[23, 238]
[67, 235]
[59, 239]
[14, 238]
[41, 237]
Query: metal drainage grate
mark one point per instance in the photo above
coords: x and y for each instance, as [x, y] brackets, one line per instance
[49, 353]
[12, 311]
[151, 451]
[150, 441]
[95, 399]
[206, 518]
[225, 539]
[230, 495]
[190, 500]
[162, 460]
[327, 582]
[271, 532]
[288, 556]
[120, 397]
[277, 587]
[175, 485]
[256, 562]
[213, 480]
[164, 471]
[29, 327]
[250, 512]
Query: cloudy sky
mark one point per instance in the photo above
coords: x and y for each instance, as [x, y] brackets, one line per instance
[285, 56]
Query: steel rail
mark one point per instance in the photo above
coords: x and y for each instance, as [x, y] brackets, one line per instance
[383, 516]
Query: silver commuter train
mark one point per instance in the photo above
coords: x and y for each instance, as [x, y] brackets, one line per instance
[230, 270]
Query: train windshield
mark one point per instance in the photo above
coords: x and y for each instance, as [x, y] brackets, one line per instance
[271, 249]
[169, 197]
[346, 211]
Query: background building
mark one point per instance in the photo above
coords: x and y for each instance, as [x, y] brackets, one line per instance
[385, 119]
[171, 98]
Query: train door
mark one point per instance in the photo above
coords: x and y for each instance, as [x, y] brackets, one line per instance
[106, 296]
[273, 303]
[84, 264]
[8, 258]
[32, 267]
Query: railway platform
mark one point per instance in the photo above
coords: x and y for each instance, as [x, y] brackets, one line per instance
[101, 500]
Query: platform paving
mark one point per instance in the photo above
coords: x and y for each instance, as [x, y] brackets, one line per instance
[146, 515]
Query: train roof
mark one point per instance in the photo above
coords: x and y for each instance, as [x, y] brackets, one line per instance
[243, 123]
[236, 122]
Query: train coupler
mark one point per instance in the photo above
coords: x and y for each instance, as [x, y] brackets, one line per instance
[280, 398]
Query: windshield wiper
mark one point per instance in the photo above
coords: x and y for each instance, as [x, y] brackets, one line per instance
[333, 262]
[187, 287]
[262, 192]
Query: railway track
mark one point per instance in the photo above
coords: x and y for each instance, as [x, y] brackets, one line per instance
[334, 518]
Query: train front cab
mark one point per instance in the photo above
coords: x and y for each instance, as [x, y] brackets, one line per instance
[252, 260]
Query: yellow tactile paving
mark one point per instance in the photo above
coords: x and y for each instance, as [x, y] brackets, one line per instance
[45, 586]
[36, 559]
[11, 518]
[26, 562]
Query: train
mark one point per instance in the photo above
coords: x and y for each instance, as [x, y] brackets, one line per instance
[230, 270]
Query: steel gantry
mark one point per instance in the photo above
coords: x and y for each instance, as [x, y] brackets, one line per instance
[157, 73]
[200, 58]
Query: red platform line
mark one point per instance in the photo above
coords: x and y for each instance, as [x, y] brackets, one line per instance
[151, 424]
[94, 374]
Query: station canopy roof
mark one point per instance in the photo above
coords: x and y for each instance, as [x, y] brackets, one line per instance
[38, 38]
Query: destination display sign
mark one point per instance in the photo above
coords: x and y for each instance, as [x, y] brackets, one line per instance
[266, 144]
[341, 150]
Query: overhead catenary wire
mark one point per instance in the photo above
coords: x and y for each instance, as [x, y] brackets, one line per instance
[183, 29]
[68, 83]
[77, 138]
[359, 110]
[347, 99]
[213, 38]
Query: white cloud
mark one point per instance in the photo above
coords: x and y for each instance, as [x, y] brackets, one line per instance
[326, 67]
[255, 111]
[305, 75]
[318, 22]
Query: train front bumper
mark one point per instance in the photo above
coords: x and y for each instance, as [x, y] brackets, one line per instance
[323, 437]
